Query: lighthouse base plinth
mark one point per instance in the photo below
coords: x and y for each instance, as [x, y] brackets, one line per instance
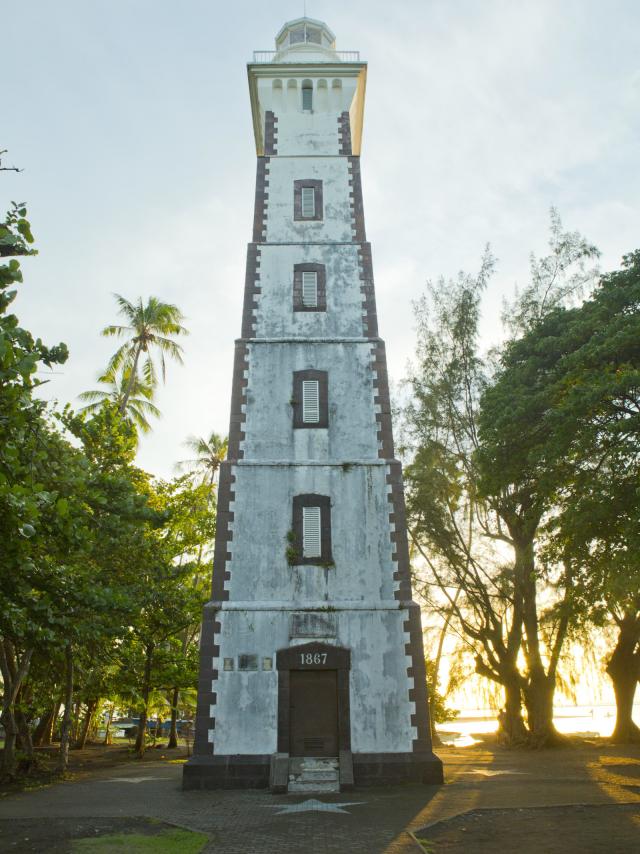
[369, 769]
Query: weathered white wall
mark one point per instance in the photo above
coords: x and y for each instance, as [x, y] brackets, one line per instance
[275, 94]
[246, 711]
[359, 531]
[313, 133]
[334, 174]
[276, 317]
[352, 431]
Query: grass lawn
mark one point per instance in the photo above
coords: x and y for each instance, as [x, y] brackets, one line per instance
[174, 841]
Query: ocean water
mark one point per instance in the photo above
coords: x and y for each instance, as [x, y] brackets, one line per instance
[571, 720]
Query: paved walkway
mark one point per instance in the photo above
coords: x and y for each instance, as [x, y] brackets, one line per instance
[375, 821]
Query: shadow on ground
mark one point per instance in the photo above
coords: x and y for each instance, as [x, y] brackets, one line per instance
[614, 828]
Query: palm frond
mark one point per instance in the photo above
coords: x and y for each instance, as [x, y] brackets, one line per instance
[93, 394]
[115, 330]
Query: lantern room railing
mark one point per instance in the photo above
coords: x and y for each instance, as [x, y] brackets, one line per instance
[261, 57]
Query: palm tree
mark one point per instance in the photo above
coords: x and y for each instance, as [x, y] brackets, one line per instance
[203, 466]
[208, 454]
[150, 327]
[130, 395]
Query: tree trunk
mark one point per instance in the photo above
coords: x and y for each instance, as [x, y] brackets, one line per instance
[538, 700]
[24, 740]
[51, 734]
[511, 729]
[13, 671]
[173, 731]
[146, 688]
[75, 728]
[127, 394]
[540, 688]
[624, 671]
[65, 733]
[82, 740]
[107, 732]
[42, 732]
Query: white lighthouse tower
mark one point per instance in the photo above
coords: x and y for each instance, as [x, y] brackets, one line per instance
[312, 668]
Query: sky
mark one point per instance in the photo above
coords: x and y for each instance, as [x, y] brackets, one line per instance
[131, 121]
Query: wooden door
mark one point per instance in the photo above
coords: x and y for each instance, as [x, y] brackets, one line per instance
[313, 713]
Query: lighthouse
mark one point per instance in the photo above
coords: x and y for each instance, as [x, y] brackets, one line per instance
[312, 672]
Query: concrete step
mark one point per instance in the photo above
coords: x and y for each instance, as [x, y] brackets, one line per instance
[319, 776]
[299, 763]
[295, 786]
[314, 774]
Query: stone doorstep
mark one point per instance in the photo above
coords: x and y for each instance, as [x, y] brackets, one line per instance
[320, 776]
[311, 774]
[300, 764]
[309, 788]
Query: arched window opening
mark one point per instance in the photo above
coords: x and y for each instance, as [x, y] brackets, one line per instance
[307, 95]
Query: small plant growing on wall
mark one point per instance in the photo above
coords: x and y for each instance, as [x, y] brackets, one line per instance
[291, 551]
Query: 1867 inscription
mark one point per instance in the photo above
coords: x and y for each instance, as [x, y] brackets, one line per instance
[313, 658]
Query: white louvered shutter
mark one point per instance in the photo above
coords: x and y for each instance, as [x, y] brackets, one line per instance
[310, 290]
[308, 201]
[310, 401]
[311, 544]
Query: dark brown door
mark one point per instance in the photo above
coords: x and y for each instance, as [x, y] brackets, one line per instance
[313, 713]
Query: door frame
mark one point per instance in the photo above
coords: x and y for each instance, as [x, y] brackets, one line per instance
[324, 656]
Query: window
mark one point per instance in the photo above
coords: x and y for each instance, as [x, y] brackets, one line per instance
[307, 199]
[307, 95]
[308, 202]
[310, 399]
[247, 662]
[297, 36]
[312, 530]
[311, 545]
[309, 287]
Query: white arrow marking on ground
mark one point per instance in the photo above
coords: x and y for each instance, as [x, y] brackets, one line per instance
[312, 805]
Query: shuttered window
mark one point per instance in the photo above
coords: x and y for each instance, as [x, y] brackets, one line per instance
[307, 198]
[308, 202]
[310, 401]
[311, 529]
[309, 286]
[310, 290]
[311, 544]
